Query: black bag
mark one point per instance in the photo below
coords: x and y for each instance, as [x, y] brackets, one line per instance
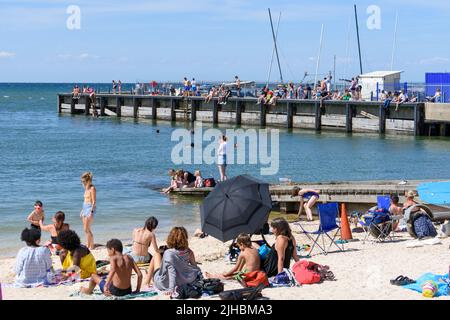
[242, 294]
[209, 182]
[187, 291]
[210, 286]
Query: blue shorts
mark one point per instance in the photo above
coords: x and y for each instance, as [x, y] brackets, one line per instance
[222, 160]
[86, 211]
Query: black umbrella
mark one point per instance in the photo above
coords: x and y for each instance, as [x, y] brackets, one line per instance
[239, 205]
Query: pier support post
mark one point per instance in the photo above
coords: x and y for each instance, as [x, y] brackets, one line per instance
[173, 115]
[87, 105]
[215, 111]
[72, 106]
[348, 118]
[318, 117]
[290, 114]
[262, 114]
[153, 107]
[418, 119]
[238, 112]
[382, 119]
[102, 106]
[119, 107]
[194, 107]
[136, 105]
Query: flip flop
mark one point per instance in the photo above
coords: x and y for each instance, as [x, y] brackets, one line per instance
[402, 281]
[396, 281]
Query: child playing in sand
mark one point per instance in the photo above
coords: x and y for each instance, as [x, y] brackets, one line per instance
[248, 260]
[36, 215]
[198, 179]
[118, 282]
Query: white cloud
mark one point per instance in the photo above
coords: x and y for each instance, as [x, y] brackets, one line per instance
[6, 54]
[434, 60]
[81, 56]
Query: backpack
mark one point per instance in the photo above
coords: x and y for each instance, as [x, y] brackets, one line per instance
[209, 286]
[308, 272]
[423, 226]
[209, 182]
[187, 291]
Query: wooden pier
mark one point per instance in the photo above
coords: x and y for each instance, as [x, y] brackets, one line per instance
[347, 116]
[356, 194]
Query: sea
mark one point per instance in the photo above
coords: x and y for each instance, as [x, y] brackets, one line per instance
[43, 154]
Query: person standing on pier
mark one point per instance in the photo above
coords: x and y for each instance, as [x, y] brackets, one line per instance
[222, 157]
[114, 86]
[119, 85]
[89, 206]
[238, 86]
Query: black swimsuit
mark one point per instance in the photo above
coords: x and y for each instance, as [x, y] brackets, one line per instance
[270, 265]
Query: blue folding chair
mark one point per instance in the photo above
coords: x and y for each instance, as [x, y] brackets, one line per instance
[377, 221]
[328, 212]
[383, 202]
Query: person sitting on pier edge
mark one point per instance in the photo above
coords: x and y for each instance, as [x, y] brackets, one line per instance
[212, 93]
[76, 92]
[143, 238]
[283, 250]
[199, 183]
[223, 99]
[437, 98]
[311, 196]
[188, 179]
[176, 180]
[347, 95]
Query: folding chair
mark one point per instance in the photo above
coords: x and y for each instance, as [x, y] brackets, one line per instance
[328, 212]
[384, 202]
[376, 223]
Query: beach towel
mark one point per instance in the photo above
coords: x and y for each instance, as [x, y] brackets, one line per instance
[98, 295]
[442, 281]
[283, 279]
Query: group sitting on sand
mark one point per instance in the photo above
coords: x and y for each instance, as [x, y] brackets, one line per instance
[167, 267]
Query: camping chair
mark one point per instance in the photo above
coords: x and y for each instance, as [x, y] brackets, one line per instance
[377, 221]
[328, 212]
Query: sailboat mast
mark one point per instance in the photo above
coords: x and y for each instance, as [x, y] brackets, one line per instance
[395, 40]
[318, 56]
[275, 43]
[273, 50]
[359, 44]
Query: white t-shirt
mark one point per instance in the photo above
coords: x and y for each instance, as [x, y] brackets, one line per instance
[222, 149]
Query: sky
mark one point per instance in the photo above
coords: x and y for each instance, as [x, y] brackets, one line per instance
[212, 40]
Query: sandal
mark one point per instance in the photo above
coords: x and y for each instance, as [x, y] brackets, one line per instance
[402, 281]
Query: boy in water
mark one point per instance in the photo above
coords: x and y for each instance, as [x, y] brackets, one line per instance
[248, 261]
[36, 215]
[118, 282]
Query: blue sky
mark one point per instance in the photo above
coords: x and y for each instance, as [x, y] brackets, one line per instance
[140, 40]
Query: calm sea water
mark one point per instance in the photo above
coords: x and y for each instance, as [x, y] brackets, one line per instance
[43, 154]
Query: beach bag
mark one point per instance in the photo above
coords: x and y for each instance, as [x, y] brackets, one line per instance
[209, 182]
[423, 226]
[308, 272]
[187, 291]
[263, 252]
[283, 279]
[253, 279]
[210, 286]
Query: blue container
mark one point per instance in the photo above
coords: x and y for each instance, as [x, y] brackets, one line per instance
[438, 80]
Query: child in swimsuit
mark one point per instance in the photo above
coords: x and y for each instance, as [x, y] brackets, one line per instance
[198, 179]
[36, 215]
[308, 199]
[118, 281]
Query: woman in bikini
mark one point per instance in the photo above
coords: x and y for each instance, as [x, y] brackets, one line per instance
[55, 228]
[143, 238]
[308, 199]
[89, 206]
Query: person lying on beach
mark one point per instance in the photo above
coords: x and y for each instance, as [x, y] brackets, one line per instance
[248, 260]
[76, 256]
[55, 228]
[198, 179]
[32, 261]
[36, 215]
[118, 281]
[177, 266]
[311, 196]
[283, 250]
[143, 238]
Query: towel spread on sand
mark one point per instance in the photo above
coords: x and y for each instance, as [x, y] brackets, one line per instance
[442, 281]
[98, 295]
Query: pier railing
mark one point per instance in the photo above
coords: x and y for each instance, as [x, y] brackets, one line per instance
[348, 116]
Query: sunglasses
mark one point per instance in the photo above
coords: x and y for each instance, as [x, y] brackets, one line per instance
[38, 206]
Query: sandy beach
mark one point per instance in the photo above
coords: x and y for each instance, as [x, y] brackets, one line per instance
[362, 272]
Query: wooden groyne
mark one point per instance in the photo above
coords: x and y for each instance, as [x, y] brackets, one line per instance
[347, 116]
[356, 194]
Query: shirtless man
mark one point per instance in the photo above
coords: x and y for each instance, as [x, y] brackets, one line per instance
[248, 260]
[143, 238]
[118, 282]
[395, 209]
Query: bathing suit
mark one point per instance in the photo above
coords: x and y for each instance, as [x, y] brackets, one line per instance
[114, 291]
[270, 265]
[33, 226]
[308, 195]
[54, 240]
[86, 211]
[191, 178]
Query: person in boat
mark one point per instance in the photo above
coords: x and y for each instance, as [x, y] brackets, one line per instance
[55, 228]
[143, 239]
[76, 256]
[177, 266]
[284, 249]
[308, 198]
[248, 260]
